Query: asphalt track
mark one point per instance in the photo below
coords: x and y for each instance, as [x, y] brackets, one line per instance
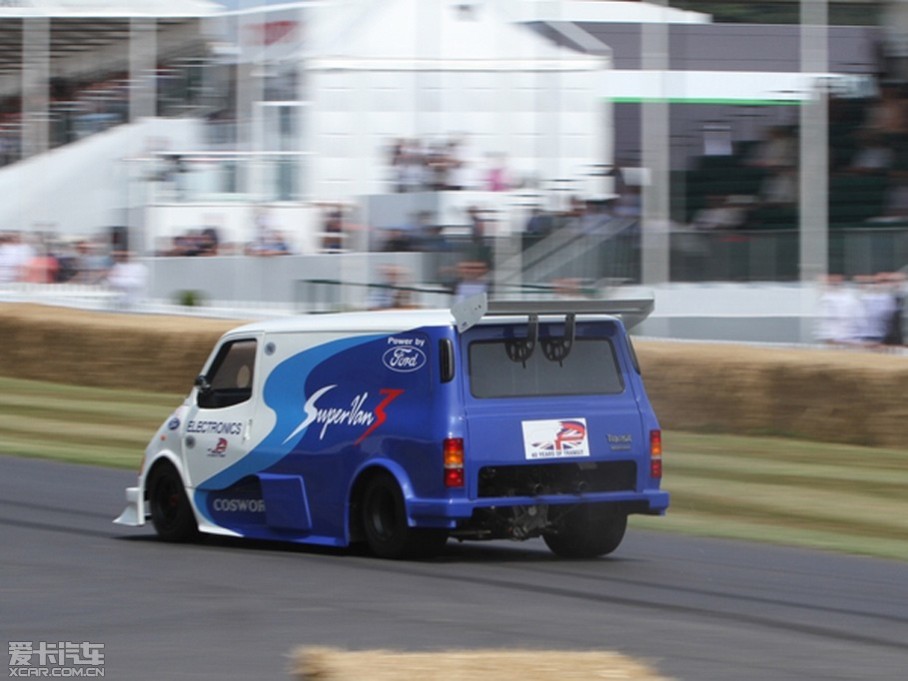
[696, 609]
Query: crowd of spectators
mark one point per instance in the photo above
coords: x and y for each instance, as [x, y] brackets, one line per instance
[754, 184]
[192, 243]
[445, 165]
[44, 259]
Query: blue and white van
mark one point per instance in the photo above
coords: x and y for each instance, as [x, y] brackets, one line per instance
[404, 428]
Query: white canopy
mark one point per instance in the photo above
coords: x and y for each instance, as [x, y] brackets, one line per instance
[445, 35]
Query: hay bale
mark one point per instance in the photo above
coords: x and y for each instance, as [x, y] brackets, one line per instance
[332, 664]
[107, 350]
[852, 397]
[846, 396]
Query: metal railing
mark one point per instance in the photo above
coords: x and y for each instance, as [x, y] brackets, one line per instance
[335, 295]
[745, 256]
[718, 255]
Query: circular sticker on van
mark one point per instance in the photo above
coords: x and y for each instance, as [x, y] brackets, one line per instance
[404, 359]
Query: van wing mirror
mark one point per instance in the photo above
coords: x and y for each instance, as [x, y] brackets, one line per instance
[202, 383]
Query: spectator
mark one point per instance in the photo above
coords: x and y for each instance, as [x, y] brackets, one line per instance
[272, 242]
[472, 279]
[398, 240]
[458, 168]
[389, 293]
[780, 188]
[779, 150]
[209, 241]
[9, 270]
[92, 262]
[268, 239]
[872, 156]
[895, 205]
[540, 224]
[840, 313]
[333, 230]
[879, 307]
[894, 328]
[720, 212]
[15, 254]
[438, 166]
[497, 176]
[127, 280]
[41, 268]
[397, 159]
[412, 172]
[479, 248]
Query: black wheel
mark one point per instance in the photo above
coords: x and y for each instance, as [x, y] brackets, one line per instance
[384, 517]
[171, 513]
[587, 531]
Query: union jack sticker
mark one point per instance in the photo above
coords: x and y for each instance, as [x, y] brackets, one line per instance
[555, 438]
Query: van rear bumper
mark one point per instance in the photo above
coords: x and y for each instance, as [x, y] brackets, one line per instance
[648, 502]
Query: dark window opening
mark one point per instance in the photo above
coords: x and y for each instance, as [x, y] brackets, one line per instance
[591, 368]
[230, 377]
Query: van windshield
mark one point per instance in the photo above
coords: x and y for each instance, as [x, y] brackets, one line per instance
[590, 368]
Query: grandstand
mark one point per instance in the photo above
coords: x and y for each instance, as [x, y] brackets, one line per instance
[156, 123]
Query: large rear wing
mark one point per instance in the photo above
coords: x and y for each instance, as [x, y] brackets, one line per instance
[631, 311]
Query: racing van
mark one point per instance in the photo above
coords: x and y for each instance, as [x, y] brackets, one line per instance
[403, 428]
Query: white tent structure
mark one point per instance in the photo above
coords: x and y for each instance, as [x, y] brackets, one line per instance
[98, 9]
[434, 70]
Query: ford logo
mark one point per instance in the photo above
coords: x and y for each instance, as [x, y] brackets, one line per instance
[404, 360]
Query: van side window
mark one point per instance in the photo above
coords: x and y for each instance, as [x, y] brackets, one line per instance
[230, 376]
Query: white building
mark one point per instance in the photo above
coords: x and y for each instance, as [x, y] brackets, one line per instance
[358, 75]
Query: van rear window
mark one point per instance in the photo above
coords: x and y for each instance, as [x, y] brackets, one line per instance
[590, 368]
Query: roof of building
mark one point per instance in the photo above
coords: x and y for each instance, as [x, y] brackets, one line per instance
[100, 9]
[78, 27]
[439, 35]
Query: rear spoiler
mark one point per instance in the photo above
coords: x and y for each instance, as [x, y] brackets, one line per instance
[631, 311]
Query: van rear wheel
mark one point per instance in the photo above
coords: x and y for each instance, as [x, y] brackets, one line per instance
[171, 512]
[587, 531]
[384, 517]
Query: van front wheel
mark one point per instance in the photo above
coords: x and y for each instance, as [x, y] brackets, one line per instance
[171, 513]
[384, 517]
[587, 531]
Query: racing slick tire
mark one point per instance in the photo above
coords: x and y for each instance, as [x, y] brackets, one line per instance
[587, 531]
[171, 513]
[384, 518]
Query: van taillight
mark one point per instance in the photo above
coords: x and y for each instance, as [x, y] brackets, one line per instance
[655, 453]
[453, 461]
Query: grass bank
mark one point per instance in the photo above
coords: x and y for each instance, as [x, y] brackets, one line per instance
[832, 496]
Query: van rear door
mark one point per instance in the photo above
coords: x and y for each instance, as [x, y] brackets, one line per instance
[558, 414]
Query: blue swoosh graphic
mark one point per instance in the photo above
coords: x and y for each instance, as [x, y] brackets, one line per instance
[284, 393]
